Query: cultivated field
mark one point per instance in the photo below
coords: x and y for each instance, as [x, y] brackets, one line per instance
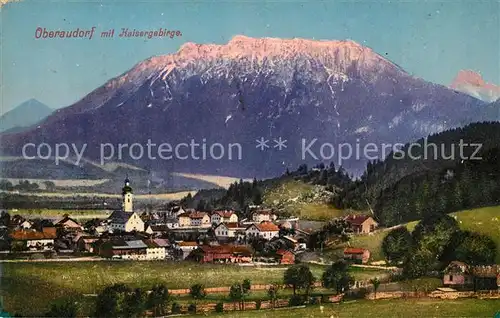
[158, 196]
[385, 308]
[29, 288]
[58, 213]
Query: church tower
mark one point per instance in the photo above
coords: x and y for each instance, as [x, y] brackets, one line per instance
[127, 197]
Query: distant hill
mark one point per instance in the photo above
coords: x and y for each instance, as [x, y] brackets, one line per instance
[23, 116]
[402, 190]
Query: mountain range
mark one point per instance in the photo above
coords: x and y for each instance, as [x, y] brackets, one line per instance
[24, 115]
[334, 91]
[473, 84]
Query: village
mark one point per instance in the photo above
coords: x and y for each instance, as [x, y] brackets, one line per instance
[177, 234]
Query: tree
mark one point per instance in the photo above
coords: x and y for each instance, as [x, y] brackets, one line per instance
[158, 300]
[49, 185]
[111, 301]
[272, 292]
[471, 248]
[197, 291]
[134, 303]
[4, 219]
[299, 277]
[376, 284]
[67, 308]
[337, 277]
[396, 244]
[239, 291]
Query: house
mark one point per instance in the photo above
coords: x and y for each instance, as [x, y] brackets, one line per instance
[69, 224]
[263, 215]
[361, 224]
[266, 230]
[285, 257]
[187, 247]
[357, 255]
[224, 217]
[222, 254]
[156, 229]
[226, 230]
[462, 276]
[119, 248]
[458, 275]
[126, 219]
[194, 219]
[86, 243]
[36, 240]
[156, 249]
[26, 225]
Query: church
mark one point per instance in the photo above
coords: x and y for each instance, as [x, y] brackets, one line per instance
[126, 219]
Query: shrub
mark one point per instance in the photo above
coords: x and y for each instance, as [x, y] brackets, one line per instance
[314, 300]
[219, 307]
[296, 300]
[176, 308]
[192, 308]
[258, 304]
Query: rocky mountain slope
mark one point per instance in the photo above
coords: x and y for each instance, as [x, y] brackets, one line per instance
[335, 91]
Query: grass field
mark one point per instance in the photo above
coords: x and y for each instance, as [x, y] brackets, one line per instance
[157, 196]
[483, 220]
[385, 308]
[299, 199]
[28, 288]
[221, 181]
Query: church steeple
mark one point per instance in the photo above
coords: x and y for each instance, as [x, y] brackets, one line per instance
[127, 197]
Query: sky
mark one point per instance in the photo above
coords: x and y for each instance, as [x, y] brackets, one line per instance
[432, 40]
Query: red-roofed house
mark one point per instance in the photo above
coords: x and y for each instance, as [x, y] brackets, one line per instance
[265, 229]
[358, 255]
[224, 217]
[285, 257]
[194, 219]
[36, 239]
[222, 254]
[263, 215]
[361, 224]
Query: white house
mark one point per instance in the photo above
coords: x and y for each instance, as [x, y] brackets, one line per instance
[265, 230]
[263, 215]
[156, 249]
[224, 217]
[194, 219]
[227, 230]
[43, 240]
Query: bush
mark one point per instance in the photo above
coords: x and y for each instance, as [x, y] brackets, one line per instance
[296, 300]
[314, 300]
[219, 307]
[192, 308]
[258, 304]
[176, 308]
[358, 294]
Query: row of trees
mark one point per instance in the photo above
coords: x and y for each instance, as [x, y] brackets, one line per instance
[25, 185]
[119, 300]
[435, 242]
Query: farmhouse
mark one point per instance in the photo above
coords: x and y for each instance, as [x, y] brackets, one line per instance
[126, 219]
[194, 219]
[156, 249]
[361, 224]
[462, 276]
[35, 239]
[228, 230]
[135, 249]
[266, 230]
[285, 257]
[263, 215]
[222, 254]
[357, 255]
[224, 217]
[69, 224]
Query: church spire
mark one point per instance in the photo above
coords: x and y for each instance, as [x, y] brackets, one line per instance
[127, 196]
